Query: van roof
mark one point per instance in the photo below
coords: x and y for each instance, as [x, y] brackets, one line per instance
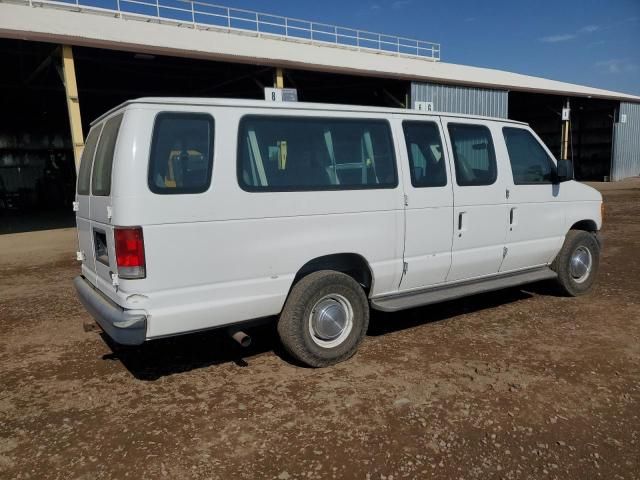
[234, 102]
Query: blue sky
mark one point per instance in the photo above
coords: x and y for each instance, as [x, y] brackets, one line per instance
[588, 42]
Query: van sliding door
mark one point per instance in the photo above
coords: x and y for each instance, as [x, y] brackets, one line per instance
[429, 204]
[480, 213]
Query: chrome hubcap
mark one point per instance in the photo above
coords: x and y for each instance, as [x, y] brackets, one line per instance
[330, 321]
[580, 264]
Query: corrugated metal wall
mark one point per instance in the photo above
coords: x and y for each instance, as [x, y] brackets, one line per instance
[456, 99]
[626, 143]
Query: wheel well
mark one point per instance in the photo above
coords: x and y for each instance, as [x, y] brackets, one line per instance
[350, 264]
[586, 225]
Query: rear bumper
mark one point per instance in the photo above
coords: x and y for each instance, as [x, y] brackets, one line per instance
[127, 327]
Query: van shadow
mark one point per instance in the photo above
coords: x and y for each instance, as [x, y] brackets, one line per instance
[164, 357]
[382, 323]
[176, 355]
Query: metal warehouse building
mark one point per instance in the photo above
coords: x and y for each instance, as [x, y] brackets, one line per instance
[66, 62]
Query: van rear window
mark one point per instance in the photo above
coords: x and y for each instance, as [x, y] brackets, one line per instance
[103, 162]
[84, 174]
[303, 153]
[181, 153]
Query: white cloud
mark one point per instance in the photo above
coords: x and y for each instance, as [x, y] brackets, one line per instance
[616, 65]
[398, 4]
[563, 37]
[589, 29]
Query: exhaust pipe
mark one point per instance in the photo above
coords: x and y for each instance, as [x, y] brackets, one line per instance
[239, 336]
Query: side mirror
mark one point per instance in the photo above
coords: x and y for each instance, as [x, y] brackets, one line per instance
[564, 171]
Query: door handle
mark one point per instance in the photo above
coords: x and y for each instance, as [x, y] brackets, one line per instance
[461, 223]
[512, 218]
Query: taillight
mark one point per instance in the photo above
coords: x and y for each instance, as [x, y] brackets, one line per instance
[130, 252]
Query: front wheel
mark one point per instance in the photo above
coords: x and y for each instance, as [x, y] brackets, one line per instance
[324, 319]
[577, 263]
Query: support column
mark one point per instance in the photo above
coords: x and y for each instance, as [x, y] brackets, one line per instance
[73, 104]
[279, 78]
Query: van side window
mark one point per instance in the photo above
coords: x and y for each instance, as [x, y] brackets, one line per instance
[306, 153]
[530, 163]
[424, 148]
[103, 162]
[473, 154]
[86, 161]
[181, 153]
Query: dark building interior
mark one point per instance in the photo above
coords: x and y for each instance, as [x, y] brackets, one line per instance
[37, 171]
[106, 78]
[592, 121]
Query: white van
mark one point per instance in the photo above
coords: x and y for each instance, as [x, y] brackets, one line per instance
[195, 214]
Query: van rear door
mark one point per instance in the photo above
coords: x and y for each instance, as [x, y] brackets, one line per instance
[100, 205]
[83, 205]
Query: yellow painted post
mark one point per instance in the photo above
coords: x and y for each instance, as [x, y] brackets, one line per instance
[279, 83]
[73, 104]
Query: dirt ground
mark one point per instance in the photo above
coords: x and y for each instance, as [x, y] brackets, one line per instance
[519, 384]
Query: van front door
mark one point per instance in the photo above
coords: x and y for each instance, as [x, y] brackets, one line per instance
[480, 212]
[536, 217]
[429, 204]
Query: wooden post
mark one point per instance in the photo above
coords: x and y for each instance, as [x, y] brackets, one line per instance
[73, 104]
[279, 80]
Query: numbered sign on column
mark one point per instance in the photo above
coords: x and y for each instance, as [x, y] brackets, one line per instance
[423, 106]
[280, 94]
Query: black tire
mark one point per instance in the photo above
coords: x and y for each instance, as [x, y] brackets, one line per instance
[294, 325]
[577, 241]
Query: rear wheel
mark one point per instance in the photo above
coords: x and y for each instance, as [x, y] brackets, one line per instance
[324, 319]
[577, 263]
